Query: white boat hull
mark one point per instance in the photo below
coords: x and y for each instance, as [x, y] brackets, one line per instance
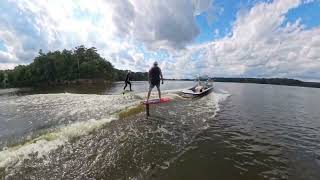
[192, 92]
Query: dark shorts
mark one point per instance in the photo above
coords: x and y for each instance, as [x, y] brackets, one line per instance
[153, 84]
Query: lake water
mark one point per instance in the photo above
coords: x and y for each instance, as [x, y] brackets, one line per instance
[239, 131]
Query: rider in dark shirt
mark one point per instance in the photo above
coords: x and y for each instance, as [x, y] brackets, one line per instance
[155, 76]
[127, 81]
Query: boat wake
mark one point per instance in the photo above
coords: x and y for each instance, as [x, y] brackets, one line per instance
[56, 118]
[70, 119]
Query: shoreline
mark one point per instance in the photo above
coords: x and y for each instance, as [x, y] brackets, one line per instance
[99, 82]
[271, 81]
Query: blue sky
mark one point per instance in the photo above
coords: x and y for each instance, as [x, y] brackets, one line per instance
[217, 23]
[308, 13]
[225, 14]
[2, 46]
[245, 38]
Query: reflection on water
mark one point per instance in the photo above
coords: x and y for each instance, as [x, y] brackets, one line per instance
[240, 131]
[143, 86]
[261, 132]
[98, 88]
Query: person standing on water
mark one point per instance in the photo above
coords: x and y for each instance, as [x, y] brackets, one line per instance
[155, 75]
[127, 81]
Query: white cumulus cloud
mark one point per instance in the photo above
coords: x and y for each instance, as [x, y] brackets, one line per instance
[260, 45]
[261, 42]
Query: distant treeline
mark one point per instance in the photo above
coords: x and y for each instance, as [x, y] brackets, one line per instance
[67, 66]
[275, 81]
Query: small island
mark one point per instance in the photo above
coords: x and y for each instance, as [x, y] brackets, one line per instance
[80, 65]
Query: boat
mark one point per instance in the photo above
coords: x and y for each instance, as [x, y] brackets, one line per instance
[200, 89]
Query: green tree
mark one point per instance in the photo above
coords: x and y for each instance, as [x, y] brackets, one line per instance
[64, 65]
[1, 76]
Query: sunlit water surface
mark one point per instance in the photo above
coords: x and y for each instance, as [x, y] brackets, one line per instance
[239, 131]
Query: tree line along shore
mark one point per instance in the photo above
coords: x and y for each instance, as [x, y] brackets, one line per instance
[80, 65]
[85, 65]
[273, 81]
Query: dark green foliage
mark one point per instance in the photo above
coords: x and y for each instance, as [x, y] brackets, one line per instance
[120, 75]
[68, 65]
[1, 79]
[275, 81]
[1, 76]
